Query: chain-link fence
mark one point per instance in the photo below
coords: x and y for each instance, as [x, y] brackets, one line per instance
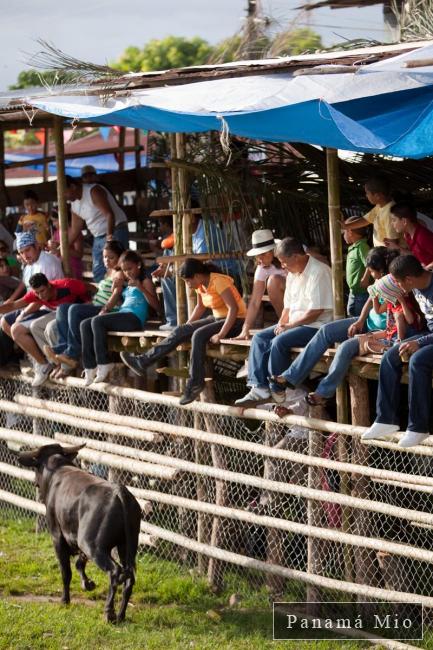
[261, 504]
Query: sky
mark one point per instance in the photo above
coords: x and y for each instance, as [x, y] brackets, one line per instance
[100, 30]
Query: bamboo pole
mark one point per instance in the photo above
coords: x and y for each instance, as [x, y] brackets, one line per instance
[295, 528]
[177, 229]
[61, 198]
[184, 200]
[121, 148]
[3, 193]
[78, 154]
[155, 427]
[366, 566]
[290, 574]
[45, 154]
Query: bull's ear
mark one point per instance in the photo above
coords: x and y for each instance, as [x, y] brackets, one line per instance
[72, 452]
[29, 458]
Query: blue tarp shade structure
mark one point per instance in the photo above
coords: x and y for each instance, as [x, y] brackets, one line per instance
[381, 108]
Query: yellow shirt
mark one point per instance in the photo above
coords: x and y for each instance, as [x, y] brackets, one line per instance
[37, 223]
[211, 295]
[380, 217]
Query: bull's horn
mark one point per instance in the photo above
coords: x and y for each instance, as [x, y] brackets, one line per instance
[73, 450]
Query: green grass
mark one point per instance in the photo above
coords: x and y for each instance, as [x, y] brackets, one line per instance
[170, 608]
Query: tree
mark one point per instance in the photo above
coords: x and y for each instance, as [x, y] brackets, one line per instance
[166, 53]
[29, 78]
[295, 41]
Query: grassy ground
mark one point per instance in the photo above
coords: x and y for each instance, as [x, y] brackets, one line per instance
[169, 609]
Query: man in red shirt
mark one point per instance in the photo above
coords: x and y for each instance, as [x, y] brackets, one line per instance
[418, 238]
[29, 332]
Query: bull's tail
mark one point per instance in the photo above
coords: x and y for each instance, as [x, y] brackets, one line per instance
[131, 543]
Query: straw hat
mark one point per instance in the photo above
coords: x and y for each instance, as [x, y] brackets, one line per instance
[262, 242]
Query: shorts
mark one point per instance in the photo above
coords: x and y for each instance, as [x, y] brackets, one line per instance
[11, 317]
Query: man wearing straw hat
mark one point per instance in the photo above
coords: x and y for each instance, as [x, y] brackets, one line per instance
[308, 303]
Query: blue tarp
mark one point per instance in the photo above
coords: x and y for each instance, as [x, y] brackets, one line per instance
[382, 108]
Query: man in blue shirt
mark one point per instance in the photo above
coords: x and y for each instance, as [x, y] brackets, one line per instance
[411, 276]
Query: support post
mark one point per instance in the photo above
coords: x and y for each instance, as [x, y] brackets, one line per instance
[61, 198]
[184, 201]
[121, 158]
[337, 286]
[3, 196]
[46, 143]
[177, 229]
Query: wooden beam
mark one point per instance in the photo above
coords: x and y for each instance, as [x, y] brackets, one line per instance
[45, 155]
[121, 149]
[78, 154]
[61, 197]
[168, 259]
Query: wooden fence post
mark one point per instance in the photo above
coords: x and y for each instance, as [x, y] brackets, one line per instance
[61, 198]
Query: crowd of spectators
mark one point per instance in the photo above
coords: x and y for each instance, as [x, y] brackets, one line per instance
[62, 323]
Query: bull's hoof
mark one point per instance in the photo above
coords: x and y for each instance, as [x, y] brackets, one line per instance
[89, 585]
[110, 616]
[120, 618]
[65, 601]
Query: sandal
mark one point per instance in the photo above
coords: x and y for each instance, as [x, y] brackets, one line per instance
[69, 361]
[280, 381]
[313, 399]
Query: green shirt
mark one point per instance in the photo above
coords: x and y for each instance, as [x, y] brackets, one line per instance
[355, 265]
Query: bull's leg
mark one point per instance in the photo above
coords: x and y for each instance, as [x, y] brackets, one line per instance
[128, 580]
[105, 562]
[64, 556]
[80, 565]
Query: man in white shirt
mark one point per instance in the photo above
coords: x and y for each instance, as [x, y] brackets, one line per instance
[308, 304]
[95, 208]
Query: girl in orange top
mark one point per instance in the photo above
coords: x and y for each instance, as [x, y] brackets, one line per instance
[215, 291]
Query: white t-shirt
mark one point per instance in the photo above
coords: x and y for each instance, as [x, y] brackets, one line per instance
[48, 264]
[262, 273]
[96, 221]
[311, 289]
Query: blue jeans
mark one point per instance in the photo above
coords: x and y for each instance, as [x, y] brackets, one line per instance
[94, 334]
[269, 353]
[355, 303]
[169, 294]
[325, 337]
[121, 234]
[68, 319]
[420, 388]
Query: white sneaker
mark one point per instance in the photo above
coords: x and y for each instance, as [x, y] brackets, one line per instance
[254, 397]
[102, 372]
[89, 376]
[412, 438]
[379, 431]
[242, 372]
[166, 327]
[42, 372]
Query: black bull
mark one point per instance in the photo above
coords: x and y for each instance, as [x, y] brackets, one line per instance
[87, 516]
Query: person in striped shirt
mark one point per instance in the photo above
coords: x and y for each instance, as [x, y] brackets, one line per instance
[66, 353]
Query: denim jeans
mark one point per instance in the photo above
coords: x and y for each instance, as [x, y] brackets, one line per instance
[169, 294]
[269, 353]
[69, 318]
[121, 234]
[355, 303]
[94, 335]
[420, 388]
[199, 332]
[325, 337]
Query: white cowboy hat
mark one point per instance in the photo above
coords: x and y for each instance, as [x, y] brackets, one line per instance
[262, 241]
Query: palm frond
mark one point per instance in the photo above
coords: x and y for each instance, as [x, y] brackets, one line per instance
[66, 66]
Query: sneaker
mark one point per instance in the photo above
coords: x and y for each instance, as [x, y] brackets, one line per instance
[279, 397]
[42, 372]
[412, 438]
[102, 372]
[166, 327]
[254, 397]
[379, 431]
[242, 372]
[89, 376]
[137, 363]
[190, 394]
